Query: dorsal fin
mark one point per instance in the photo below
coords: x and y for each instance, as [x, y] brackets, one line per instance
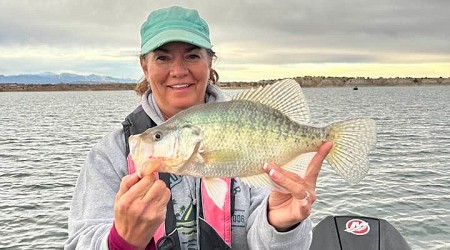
[285, 95]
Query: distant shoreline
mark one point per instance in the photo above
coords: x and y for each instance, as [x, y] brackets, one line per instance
[22, 87]
[306, 81]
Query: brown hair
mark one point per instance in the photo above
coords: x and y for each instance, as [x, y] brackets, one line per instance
[143, 85]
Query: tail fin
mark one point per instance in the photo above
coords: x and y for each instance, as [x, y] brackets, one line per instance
[352, 141]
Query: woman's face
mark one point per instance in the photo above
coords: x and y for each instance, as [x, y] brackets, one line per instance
[178, 74]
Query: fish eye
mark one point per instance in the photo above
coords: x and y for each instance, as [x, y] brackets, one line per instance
[157, 136]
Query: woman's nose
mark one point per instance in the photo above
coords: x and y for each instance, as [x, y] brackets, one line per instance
[179, 68]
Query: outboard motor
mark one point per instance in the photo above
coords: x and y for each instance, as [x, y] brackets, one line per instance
[356, 233]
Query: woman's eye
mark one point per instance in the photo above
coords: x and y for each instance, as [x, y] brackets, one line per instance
[162, 58]
[193, 57]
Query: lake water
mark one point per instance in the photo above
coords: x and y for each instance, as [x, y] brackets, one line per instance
[45, 137]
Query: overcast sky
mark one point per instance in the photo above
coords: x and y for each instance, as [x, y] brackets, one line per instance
[254, 40]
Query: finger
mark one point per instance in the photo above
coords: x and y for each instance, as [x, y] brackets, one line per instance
[127, 182]
[142, 187]
[139, 189]
[269, 166]
[314, 167]
[158, 193]
[296, 185]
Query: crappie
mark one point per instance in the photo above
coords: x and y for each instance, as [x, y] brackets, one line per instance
[235, 139]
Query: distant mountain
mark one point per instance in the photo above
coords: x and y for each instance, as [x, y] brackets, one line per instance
[52, 78]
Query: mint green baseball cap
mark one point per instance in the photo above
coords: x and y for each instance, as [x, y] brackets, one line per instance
[174, 24]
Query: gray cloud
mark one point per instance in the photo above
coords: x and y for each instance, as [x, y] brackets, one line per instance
[402, 25]
[283, 32]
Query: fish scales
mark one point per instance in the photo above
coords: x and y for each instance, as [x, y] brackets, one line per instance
[250, 134]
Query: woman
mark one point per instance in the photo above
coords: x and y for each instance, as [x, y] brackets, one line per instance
[113, 208]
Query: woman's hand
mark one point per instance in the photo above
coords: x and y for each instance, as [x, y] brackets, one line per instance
[286, 210]
[140, 208]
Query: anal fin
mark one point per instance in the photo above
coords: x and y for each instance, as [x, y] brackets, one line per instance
[216, 189]
[259, 181]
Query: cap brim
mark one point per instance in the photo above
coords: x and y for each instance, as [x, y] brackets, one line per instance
[175, 36]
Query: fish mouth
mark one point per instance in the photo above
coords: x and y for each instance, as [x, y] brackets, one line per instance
[163, 164]
[166, 161]
[139, 150]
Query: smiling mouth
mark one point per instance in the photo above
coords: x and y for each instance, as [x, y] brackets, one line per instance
[180, 86]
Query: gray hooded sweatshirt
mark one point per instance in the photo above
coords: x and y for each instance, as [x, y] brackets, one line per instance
[92, 209]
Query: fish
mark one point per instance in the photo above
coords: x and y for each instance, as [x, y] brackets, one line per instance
[236, 138]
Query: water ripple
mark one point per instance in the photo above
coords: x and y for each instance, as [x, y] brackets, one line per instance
[46, 138]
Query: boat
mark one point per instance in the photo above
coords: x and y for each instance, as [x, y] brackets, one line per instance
[355, 88]
[356, 232]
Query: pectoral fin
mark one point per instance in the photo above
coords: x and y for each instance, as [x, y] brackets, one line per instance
[195, 159]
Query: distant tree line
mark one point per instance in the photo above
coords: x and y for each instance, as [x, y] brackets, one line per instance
[323, 81]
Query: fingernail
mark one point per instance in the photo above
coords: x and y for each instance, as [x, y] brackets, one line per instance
[265, 166]
[271, 172]
[274, 174]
